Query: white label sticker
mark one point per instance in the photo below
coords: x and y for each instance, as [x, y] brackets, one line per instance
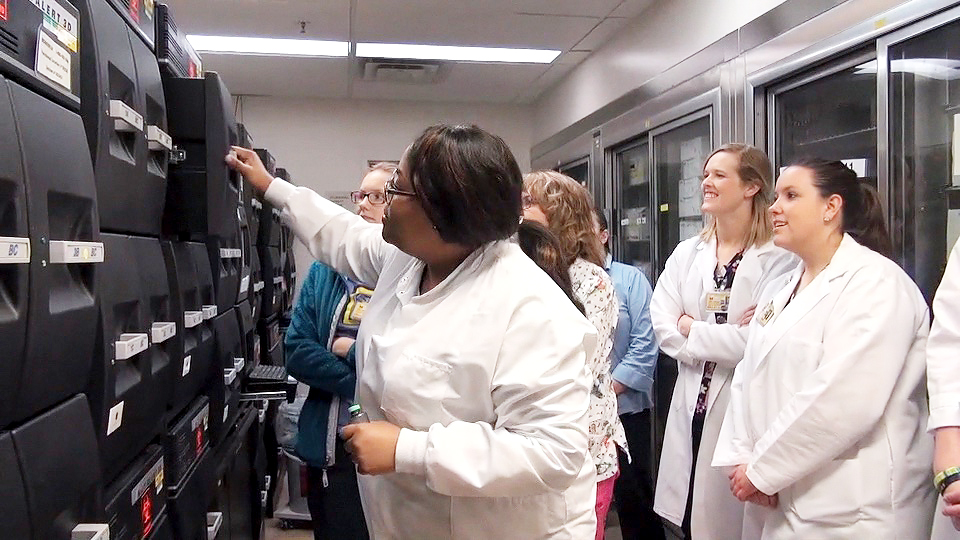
[53, 59]
[66, 252]
[200, 418]
[58, 20]
[226, 412]
[186, 366]
[116, 418]
[14, 250]
[245, 283]
[209, 312]
[258, 286]
[858, 166]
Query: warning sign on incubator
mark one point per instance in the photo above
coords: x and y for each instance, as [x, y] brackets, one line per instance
[53, 60]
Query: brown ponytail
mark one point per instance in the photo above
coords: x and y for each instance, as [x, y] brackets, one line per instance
[861, 213]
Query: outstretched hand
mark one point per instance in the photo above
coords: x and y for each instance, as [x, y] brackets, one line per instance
[247, 163]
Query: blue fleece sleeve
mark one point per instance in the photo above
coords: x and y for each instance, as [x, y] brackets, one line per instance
[307, 357]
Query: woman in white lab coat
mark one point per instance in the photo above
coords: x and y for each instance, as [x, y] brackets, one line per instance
[943, 384]
[470, 360]
[827, 410]
[702, 300]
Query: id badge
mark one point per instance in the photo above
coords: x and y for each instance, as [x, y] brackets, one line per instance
[718, 302]
[767, 314]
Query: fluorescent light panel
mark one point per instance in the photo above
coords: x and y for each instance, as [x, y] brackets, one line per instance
[268, 46]
[462, 54]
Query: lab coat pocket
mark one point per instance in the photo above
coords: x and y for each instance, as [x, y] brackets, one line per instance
[414, 389]
[831, 496]
[531, 517]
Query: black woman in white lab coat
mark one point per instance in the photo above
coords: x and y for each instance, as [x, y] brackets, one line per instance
[826, 423]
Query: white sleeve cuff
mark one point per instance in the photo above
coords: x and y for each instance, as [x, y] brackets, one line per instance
[944, 411]
[279, 191]
[411, 454]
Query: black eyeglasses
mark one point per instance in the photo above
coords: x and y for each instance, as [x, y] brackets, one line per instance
[391, 190]
[376, 198]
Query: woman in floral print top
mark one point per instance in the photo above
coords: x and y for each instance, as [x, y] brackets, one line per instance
[566, 208]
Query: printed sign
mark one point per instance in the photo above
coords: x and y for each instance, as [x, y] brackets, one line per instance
[53, 60]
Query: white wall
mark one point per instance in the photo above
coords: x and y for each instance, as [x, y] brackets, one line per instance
[325, 144]
[665, 34]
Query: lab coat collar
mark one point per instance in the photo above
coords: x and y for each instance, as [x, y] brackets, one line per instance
[409, 287]
[844, 259]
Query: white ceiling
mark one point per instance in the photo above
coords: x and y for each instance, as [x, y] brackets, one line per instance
[575, 27]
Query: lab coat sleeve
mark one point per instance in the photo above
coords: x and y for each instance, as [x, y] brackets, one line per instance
[865, 344]
[538, 443]
[733, 444]
[666, 308]
[334, 236]
[636, 368]
[725, 343]
[943, 349]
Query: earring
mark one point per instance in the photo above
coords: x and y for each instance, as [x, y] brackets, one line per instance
[826, 219]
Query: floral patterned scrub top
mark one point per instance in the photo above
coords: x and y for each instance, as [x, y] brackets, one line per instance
[594, 289]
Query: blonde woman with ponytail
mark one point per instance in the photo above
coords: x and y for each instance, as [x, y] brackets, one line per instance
[700, 307]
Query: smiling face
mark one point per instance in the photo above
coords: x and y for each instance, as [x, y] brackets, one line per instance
[724, 192]
[802, 217]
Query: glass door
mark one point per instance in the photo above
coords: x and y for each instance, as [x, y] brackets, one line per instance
[924, 112]
[633, 224]
[679, 151]
[578, 170]
[830, 113]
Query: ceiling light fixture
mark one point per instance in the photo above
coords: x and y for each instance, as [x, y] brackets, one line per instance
[456, 54]
[268, 46]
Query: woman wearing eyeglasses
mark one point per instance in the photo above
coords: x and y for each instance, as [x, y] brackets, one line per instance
[566, 208]
[318, 350]
[478, 400]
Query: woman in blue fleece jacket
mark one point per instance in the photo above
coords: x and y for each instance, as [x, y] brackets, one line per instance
[319, 353]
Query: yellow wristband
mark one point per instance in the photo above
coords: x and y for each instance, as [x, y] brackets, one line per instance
[940, 481]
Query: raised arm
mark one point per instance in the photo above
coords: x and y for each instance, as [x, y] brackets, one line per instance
[333, 235]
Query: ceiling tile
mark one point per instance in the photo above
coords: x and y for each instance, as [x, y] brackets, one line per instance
[485, 83]
[460, 27]
[279, 76]
[631, 8]
[601, 34]
[329, 19]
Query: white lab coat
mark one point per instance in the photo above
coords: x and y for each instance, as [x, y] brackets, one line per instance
[682, 289]
[487, 375]
[943, 365]
[827, 408]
